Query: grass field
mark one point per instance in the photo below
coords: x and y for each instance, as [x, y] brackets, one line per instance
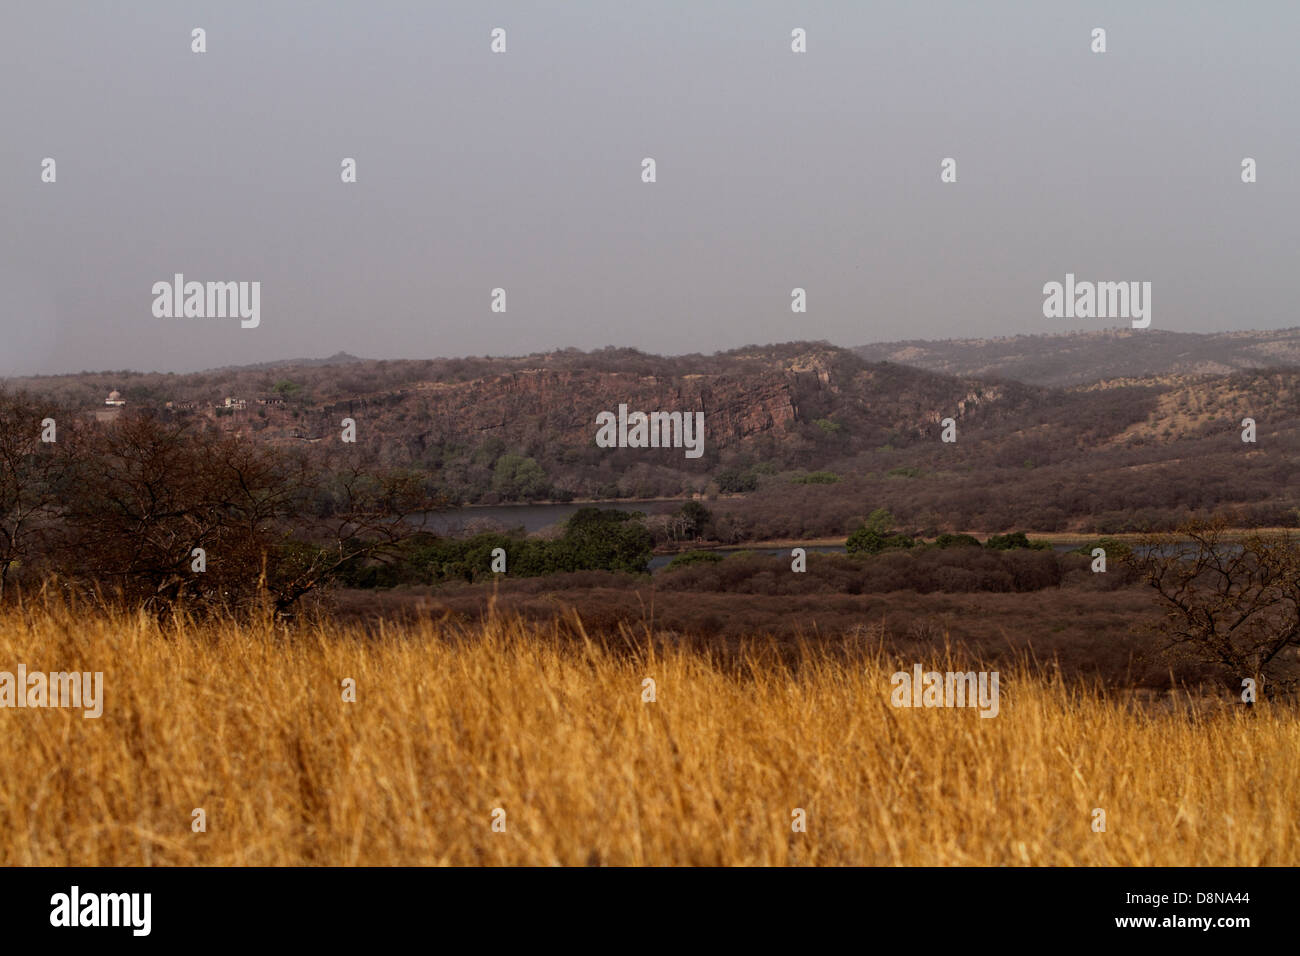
[452, 722]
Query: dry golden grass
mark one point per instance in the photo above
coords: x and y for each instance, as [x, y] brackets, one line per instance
[449, 724]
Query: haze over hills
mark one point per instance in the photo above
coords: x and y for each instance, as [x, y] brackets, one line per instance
[1080, 358]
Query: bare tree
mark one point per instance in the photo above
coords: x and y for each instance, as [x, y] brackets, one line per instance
[362, 515]
[166, 512]
[162, 512]
[32, 479]
[1231, 603]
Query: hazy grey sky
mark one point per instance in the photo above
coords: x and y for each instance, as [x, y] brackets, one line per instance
[523, 171]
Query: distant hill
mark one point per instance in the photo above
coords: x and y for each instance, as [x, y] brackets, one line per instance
[338, 358]
[784, 403]
[1083, 358]
[815, 436]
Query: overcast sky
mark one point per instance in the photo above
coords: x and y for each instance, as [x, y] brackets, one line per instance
[523, 171]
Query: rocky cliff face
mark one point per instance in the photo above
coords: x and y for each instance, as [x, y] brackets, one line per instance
[816, 403]
[561, 406]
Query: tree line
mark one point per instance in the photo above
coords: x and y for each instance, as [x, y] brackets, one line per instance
[158, 513]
